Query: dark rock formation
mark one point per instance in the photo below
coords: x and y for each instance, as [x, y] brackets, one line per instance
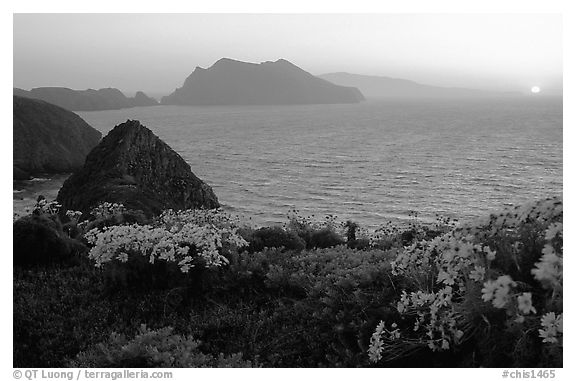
[87, 100]
[48, 139]
[230, 82]
[134, 167]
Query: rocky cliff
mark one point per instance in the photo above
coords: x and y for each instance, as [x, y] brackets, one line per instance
[134, 167]
[87, 100]
[48, 138]
[230, 82]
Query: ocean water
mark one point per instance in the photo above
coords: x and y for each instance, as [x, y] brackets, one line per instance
[369, 162]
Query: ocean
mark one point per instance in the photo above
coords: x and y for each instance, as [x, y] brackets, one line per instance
[370, 162]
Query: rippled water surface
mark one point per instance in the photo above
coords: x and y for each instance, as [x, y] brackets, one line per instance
[368, 161]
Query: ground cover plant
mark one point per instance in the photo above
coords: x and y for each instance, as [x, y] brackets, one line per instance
[196, 288]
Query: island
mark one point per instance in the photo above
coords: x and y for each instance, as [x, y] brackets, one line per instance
[232, 82]
[87, 100]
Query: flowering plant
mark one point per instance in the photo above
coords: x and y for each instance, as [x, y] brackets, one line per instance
[178, 237]
[44, 207]
[459, 276]
[106, 210]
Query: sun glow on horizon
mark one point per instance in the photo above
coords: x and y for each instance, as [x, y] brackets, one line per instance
[535, 89]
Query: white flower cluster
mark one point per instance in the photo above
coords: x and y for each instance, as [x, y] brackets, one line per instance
[74, 215]
[550, 267]
[41, 207]
[457, 261]
[498, 291]
[435, 314]
[454, 260]
[376, 343]
[171, 240]
[107, 209]
[45, 207]
[552, 327]
[542, 211]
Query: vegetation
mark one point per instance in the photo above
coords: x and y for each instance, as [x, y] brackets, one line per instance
[194, 289]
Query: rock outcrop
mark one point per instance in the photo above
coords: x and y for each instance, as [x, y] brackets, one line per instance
[141, 100]
[48, 138]
[87, 100]
[230, 82]
[134, 167]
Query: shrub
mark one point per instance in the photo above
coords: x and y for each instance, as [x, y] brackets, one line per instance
[274, 237]
[59, 312]
[331, 296]
[154, 349]
[107, 214]
[187, 239]
[41, 238]
[324, 238]
[56, 312]
[397, 235]
[353, 232]
[316, 234]
[40, 241]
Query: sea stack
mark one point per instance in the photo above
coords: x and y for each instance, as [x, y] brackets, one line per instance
[134, 167]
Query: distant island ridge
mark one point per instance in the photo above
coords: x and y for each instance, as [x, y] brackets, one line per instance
[373, 86]
[87, 100]
[232, 82]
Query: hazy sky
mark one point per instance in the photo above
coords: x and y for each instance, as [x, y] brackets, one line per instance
[156, 52]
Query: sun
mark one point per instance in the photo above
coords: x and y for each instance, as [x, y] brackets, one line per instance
[535, 89]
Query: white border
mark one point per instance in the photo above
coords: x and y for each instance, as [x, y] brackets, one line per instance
[299, 6]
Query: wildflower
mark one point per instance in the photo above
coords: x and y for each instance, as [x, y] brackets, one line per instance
[498, 291]
[488, 290]
[444, 277]
[123, 257]
[73, 214]
[553, 230]
[458, 335]
[402, 305]
[551, 327]
[170, 240]
[525, 303]
[549, 269]
[500, 297]
[478, 273]
[395, 334]
[376, 344]
[490, 255]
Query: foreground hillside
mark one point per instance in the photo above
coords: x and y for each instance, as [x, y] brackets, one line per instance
[192, 289]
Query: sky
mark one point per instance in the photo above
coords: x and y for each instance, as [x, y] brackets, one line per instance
[156, 52]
